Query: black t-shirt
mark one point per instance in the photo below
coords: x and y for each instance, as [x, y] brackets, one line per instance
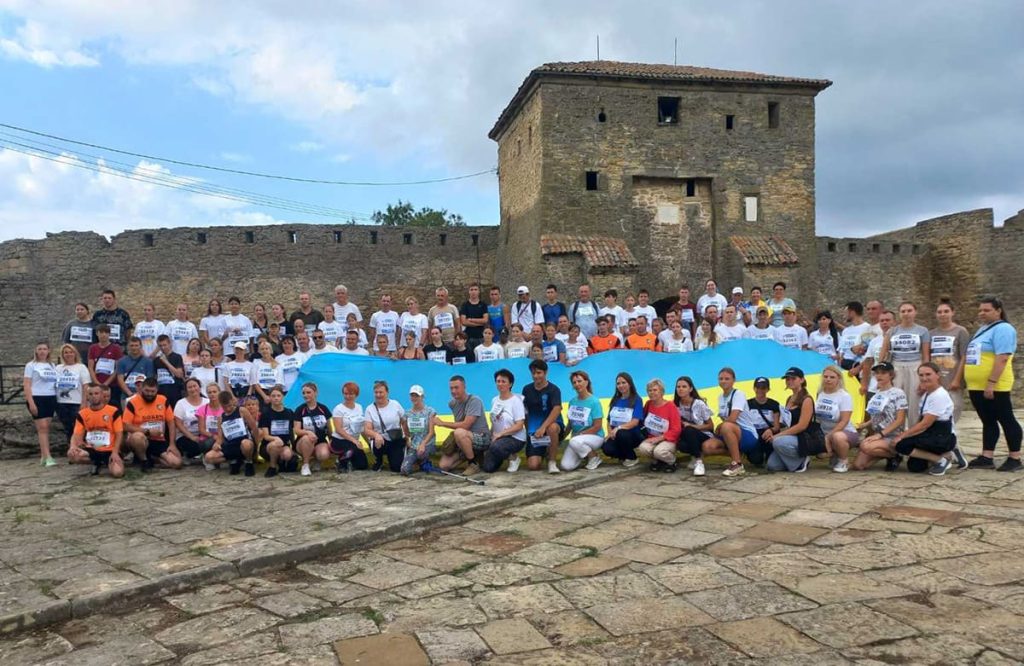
[763, 414]
[474, 311]
[278, 424]
[314, 420]
[434, 353]
[119, 321]
[461, 357]
[311, 320]
[539, 403]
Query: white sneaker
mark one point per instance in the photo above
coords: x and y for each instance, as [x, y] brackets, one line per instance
[209, 466]
[513, 465]
[553, 467]
[841, 467]
[734, 469]
[594, 462]
[306, 471]
[631, 462]
[698, 467]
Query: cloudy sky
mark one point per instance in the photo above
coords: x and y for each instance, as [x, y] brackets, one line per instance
[926, 115]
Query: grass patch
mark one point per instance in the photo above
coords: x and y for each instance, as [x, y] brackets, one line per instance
[464, 568]
[591, 640]
[199, 550]
[375, 615]
[589, 551]
[512, 532]
[46, 586]
[21, 517]
[318, 525]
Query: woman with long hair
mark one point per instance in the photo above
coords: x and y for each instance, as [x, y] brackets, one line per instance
[786, 456]
[40, 389]
[72, 378]
[625, 421]
[585, 418]
[825, 338]
[695, 417]
[833, 407]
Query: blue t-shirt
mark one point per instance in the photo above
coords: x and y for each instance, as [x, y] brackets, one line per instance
[619, 412]
[553, 350]
[133, 368]
[553, 312]
[998, 338]
[582, 414]
[496, 318]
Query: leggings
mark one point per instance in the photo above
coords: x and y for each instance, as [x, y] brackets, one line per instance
[67, 413]
[994, 413]
[623, 445]
[578, 448]
[692, 441]
[349, 452]
[499, 451]
[395, 451]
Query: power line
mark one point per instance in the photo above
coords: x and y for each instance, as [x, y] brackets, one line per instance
[255, 174]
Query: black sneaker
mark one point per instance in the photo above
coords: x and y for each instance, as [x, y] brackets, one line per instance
[958, 458]
[235, 467]
[271, 472]
[893, 464]
[982, 462]
[95, 470]
[668, 469]
[1010, 465]
[250, 469]
[940, 467]
[147, 466]
[657, 465]
[378, 463]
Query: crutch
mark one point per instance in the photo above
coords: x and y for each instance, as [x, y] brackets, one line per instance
[427, 467]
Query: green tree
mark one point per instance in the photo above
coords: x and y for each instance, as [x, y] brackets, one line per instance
[403, 214]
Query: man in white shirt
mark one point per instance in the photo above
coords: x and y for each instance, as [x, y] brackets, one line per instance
[320, 345]
[614, 310]
[385, 322]
[584, 312]
[666, 336]
[342, 306]
[644, 307]
[730, 329]
[148, 330]
[180, 330]
[851, 335]
[789, 334]
[352, 345]
[525, 311]
[711, 297]
[237, 327]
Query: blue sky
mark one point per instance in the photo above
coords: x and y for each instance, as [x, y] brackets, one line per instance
[924, 118]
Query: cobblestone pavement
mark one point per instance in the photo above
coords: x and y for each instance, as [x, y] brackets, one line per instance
[816, 568]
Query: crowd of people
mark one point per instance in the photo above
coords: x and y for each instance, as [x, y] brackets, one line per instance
[212, 392]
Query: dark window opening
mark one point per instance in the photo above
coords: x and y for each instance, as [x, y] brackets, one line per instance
[337, 236]
[373, 238]
[201, 238]
[691, 187]
[601, 117]
[591, 180]
[852, 247]
[406, 239]
[293, 237]
[729, 121]
[831, 247]
[773, 114]
[147, 240]
[443, 239]
[915, 249]
[476, 239]
[668, 110]
[250, 237]
[875, 248]
[895, 248]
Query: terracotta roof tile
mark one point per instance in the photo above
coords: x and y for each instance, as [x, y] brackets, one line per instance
[764, 250]
[598, 251]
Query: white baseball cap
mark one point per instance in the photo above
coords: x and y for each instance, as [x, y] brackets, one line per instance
[523, 289]
[416, 389]
[737, 290]
[241, 345]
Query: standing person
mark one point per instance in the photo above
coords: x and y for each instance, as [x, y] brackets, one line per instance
[613, 311]
[170, 371]
[460, 354]
[661, 428]
[907, 347]
[833, 408]
[542, 401]
[191, 356]
[334, 330]
[343, 307]
[604, 339]
[412, 320]
[266, 373]
[786, 455]
[695, 419]
[260, 321]
[470, 436]
[444, 316]
[586, 424]
[508, 424]
[736, 434]
[72, 378]
[488, 349]
[436, 350]
[186, 422]
[678, 340]
[824, 339]
[310, 428]
[517, 346]
[553, 308]
[554, 349]
[473, 317]
[989, 376]
[180, 330]
[644, 307]
[788, 333]
[97, 435]
[103, 358]
[584, 312]
[117, 319]
[237, 327]
[629, 307]
[133, 367]
[234, 439]
[348, 419]
[948, 348]
[850, 338]
[207, 374]
[79, 331]
[932, 438]
[238, 372]
[212, 326]
[762, 328]
[730, 328]
[575, 346]
[686, 310]
[873, 355]
[306, 312]
[497, 314]
[779, 303]
[526, 311]
[418, 424]
[290, 361]
[625, 422]
[710, 297]
[410, 351]
[383, 428]
[276, 432]
[149, 428]
[886, 418]
[40, 389]
[385, 322]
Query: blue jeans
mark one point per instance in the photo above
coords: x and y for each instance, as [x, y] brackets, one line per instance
[785, 458]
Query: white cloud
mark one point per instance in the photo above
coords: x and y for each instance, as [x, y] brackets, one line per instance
[234, 157]
[306, 147]
[340, 158]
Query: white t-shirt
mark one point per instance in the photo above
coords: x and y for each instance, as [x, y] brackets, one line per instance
[517, 349]
[186, 412]
[564, 337]
[575, 351]
[492, 353]
[180, 332]
[351, 419]
[148, 331]
[737, 400]
[328, 349]
[44, 378]
[341, 312]
[266, 375]
[697, 413]
[289, 366]
[755, 333]
[725, 333]
[794, 337]
[333, 331]
[828, 407]
[239, 373]
[214, 325]
[849, 338]
[391, 415]
[717, 300]
[670, 344]
[939, 404]
[647, 311]
[206, 376]
[358, 351]
[665, 336]
[821, 343]
[506, 412]
[621, 318]
[410, 323]
[244, 326]
[385, 323]
[70, 380]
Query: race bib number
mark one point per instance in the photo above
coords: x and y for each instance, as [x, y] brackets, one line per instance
[98, 439]
[574, 352]
[387, 327]
[134, 379]
[67, 381]
[267, 377]
[409, 326]
[211, 423]
[180, 333]
[876, 404]
[674, 346]
[105, 366]
[238, 377]
[942, 345]
[280, 427]
[81, 334]
[516, 352]
[551, 353]
[314, 422]
[417, 424]
[487, 354]
[458, 360]
[438, 356]
[974, 353]
[233, 429]
[823, 348]
[687, 316]
[47, 373]
[826, 409]
[585, 310]
[540, 441]
[164, 376]
[579, 416]
[115, 331]
[906, 342]
[618, 416]
[655, 424]
[444, 320]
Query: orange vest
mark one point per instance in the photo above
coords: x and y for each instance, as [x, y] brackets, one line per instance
[599, 344]
[647, 341]
[154, 416]
[99, 427]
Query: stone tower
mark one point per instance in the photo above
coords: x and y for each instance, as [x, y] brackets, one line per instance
[639, 175]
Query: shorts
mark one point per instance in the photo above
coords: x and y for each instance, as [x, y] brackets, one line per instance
[155, 449]
[265, 454]
[481, 440]
[232, 449]
[191, 449]
[748, 440]
[100, 458]
[927, 442]
[46, 406]
[541, 450]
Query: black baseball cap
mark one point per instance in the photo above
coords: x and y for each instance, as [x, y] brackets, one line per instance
[794, 372]
[762, 381]
[885, 366]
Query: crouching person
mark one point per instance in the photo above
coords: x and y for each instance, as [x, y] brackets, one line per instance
[662, 426]
[97, 434]
[419, 431]
[234, 444]
[508, 423]
[931, 439]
